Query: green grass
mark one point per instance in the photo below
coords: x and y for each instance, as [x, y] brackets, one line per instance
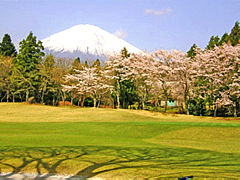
[116, 143]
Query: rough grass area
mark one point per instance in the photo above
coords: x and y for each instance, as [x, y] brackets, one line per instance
[116, 143]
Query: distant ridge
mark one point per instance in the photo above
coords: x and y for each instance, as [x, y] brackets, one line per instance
[85, 41]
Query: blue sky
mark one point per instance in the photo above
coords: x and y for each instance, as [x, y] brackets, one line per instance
[146, 24]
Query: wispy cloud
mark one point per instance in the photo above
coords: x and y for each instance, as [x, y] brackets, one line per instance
[158, 12]
[121, 33]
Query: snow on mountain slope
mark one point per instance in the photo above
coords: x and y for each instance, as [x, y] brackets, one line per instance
[85, 41]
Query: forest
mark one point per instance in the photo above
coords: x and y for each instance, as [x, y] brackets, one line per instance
[203, 82]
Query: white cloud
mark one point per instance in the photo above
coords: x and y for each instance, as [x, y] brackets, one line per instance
[158, 12]
[121, 33]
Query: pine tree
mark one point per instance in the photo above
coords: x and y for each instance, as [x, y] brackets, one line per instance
[224, 39]
[214, 41]
[97, 63]
[27, 65]
[76, 64]
[49, 62]
[7, 48]
[125, 53]
[234, 36]
[86, 64]
[192, 51]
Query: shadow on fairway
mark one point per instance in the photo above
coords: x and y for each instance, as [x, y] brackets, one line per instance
[90, 161]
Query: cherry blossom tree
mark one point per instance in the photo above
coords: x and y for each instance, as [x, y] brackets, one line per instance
[140, 69]
[89, 82]
[216, 75]
[163, 75]
[116, 70]
[181, 71]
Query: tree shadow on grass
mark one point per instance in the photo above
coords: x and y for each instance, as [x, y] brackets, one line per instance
[91, 161]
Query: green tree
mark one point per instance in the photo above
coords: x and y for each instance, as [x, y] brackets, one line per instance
[192, 51]
[49, 62]
[214, 41]
[86, 64]
[5, 77]
[7, 48]
[224, 39]
[97, 63]
[127, 89]
[76, 64]
[46, 84]
[234, 36]
[27, 65]
[125, 53]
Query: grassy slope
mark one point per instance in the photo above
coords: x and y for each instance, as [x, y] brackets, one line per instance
[110, 143]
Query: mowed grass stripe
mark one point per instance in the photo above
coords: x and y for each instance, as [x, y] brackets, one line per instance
[85, 133]
[20, 112]
[128, 134]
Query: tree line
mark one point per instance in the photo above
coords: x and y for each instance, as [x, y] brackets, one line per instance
[203, 81]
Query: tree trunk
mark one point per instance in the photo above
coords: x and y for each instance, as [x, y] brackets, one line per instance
[143, 104]
[186, 106]
[99, 101]
[235, 109]
[82, 103]
[71, 101]
[127, 104]
[94, 102]
[7, 95]
[166, 101]
[118, 94]
[215, 110]
[13, 98]
[3, 98]
[42, 98]
[53, 101]
[124, 104]
[165, 106]
[27, 95]
[139, 106]
[82, 100]
[179, 109]
[20, 96]
[144, 98]
[156, 103]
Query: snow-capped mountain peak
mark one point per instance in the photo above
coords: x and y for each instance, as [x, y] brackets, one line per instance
[85, 41]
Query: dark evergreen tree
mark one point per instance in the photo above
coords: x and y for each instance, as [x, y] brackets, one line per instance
[97, 63]
[46, 78]
[49, 62]
[27, 65]
[192, 51]
[76, 64]
[86, 64]
[214, 41]
[224, 39]
[127, 89]
[125, 53]
[7, 48]
[234, 36]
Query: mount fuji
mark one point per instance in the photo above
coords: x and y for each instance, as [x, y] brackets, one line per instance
[85, 41]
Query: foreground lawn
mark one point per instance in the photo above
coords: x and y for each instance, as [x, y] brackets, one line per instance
[116, 143]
